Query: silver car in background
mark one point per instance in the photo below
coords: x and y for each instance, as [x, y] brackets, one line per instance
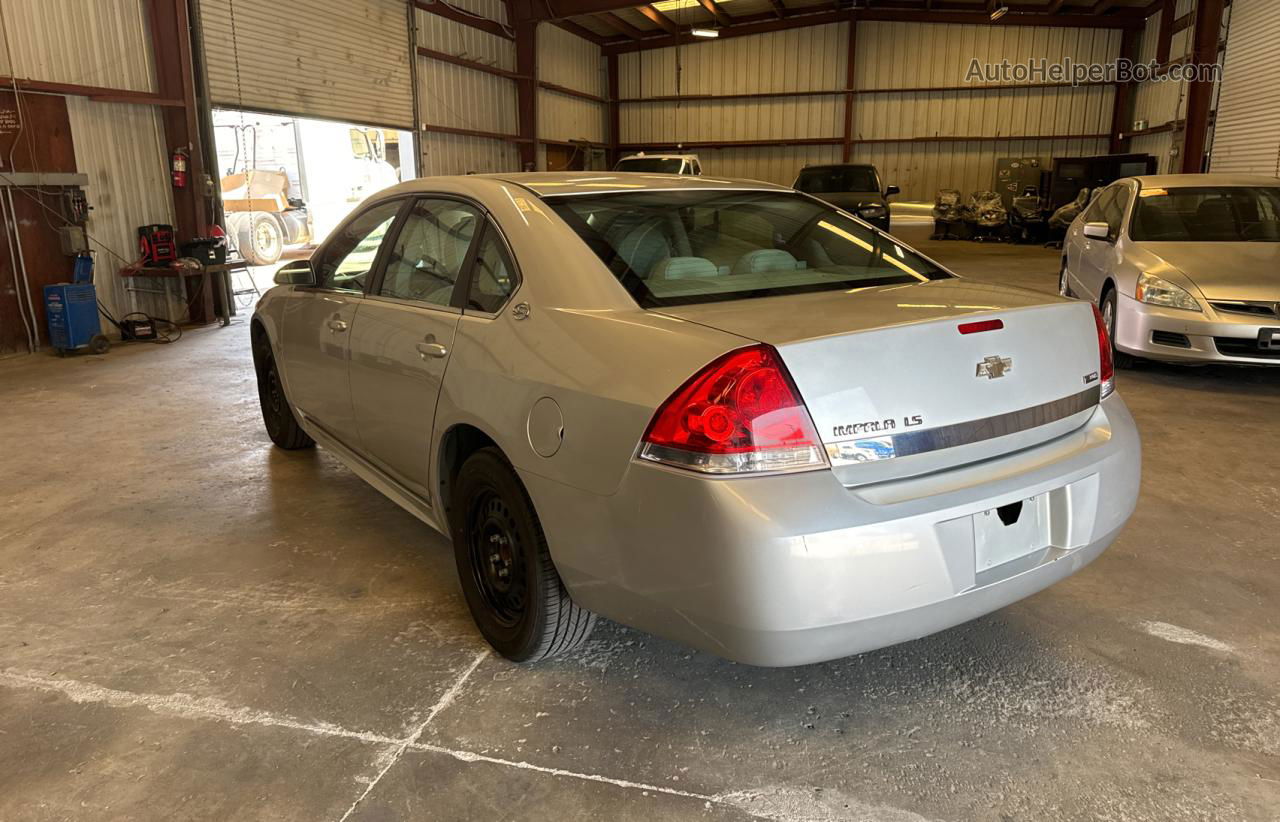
[723, 412]
[1185, 267]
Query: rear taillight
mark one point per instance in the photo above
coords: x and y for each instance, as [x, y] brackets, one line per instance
[740, 414]
[1107, 368]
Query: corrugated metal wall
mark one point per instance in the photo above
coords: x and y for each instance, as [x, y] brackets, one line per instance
[1159, 103]
[1246, 136]
[88, 42]
[342, 60]
[460, 97]
[898, 130]
[121, 147]
[565, 59]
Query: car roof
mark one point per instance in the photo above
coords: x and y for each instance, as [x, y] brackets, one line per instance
[1201, 180]
[548, 183]
[643, 156]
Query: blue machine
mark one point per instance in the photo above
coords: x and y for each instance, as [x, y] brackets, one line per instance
[72, 312]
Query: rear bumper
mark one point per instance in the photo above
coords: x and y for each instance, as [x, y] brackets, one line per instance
[787, 570]
[1143, 330]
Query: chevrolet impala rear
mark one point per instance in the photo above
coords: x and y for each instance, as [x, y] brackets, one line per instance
[880, 451]
[719, 411]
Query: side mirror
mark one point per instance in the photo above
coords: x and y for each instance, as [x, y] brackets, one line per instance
[297, 272]
[1098, 231]
[892, 190]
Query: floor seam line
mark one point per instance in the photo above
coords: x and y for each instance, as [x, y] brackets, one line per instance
[443, 702]
[212, 709]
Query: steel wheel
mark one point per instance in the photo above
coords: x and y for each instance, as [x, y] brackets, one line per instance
[497, 558]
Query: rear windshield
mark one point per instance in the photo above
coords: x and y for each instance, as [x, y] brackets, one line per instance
[651, 165]
[1209, 214]
[838, 180]
[681, 247]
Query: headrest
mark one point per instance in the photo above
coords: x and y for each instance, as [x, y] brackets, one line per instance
[683, 268]
[765, 259]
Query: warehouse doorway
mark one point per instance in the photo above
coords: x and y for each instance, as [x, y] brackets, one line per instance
[286, 181]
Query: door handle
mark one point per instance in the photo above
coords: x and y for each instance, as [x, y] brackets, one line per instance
[426, 349]
[337, 326]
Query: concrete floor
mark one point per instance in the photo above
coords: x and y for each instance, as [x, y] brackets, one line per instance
[194, 625]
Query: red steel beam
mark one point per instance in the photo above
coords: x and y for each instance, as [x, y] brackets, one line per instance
[99, 94]
[465, 63]
[748, 95]
[471, 132]
[850, 79]
[621, 26]
[663, 21]
[1200, 93]
[582, 31]
[572, 92]
[835, 141]
[449, 13]
[1122, 105]
[715, 11]
[1164, 35]
[761, 24]
[175, 80]
[527, 91]
[615, 112]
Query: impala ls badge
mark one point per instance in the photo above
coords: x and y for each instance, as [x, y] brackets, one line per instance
[994, 368]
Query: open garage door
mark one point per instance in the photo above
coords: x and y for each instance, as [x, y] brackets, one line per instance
[1246, 138]
[342, 60]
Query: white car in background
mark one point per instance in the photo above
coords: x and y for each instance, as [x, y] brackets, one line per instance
[1184, 267]
[686, 164]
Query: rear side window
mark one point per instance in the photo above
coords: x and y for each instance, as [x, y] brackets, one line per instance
[430, 251]
[493, 277]
[681, 247]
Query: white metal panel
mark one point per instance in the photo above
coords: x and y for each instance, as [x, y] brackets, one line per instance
[571, 61]
[440, 34]
[342, 60]
[1158, 146]
[794, 60]
[563, 117]
[1247, 133]
[770, 118]
[989, 113]
[121, 148]
[460, 97]
[920, 55]
[87, 42]
[453, 154]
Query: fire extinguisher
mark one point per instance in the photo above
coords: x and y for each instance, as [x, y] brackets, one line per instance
[180, 168]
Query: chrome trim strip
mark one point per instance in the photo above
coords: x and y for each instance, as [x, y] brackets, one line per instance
[909, 443]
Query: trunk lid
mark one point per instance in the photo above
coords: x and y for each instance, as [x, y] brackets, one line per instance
[895, 389]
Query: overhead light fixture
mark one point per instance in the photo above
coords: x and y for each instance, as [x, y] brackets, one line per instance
[998, 13]
[705, 32]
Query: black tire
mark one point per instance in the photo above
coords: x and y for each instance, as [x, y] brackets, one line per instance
[1063, 287]
[99, 344]
[515, 595]
[1108, 309]
[260, 239]
[282, 426]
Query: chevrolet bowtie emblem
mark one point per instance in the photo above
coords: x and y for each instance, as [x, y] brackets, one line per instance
[994, 367]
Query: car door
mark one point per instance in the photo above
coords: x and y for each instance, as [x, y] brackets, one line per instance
[403, 336]
[1087, 257]
[317, 320]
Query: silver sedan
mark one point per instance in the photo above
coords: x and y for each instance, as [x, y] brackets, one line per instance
[719, 411]
[1185, 267]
